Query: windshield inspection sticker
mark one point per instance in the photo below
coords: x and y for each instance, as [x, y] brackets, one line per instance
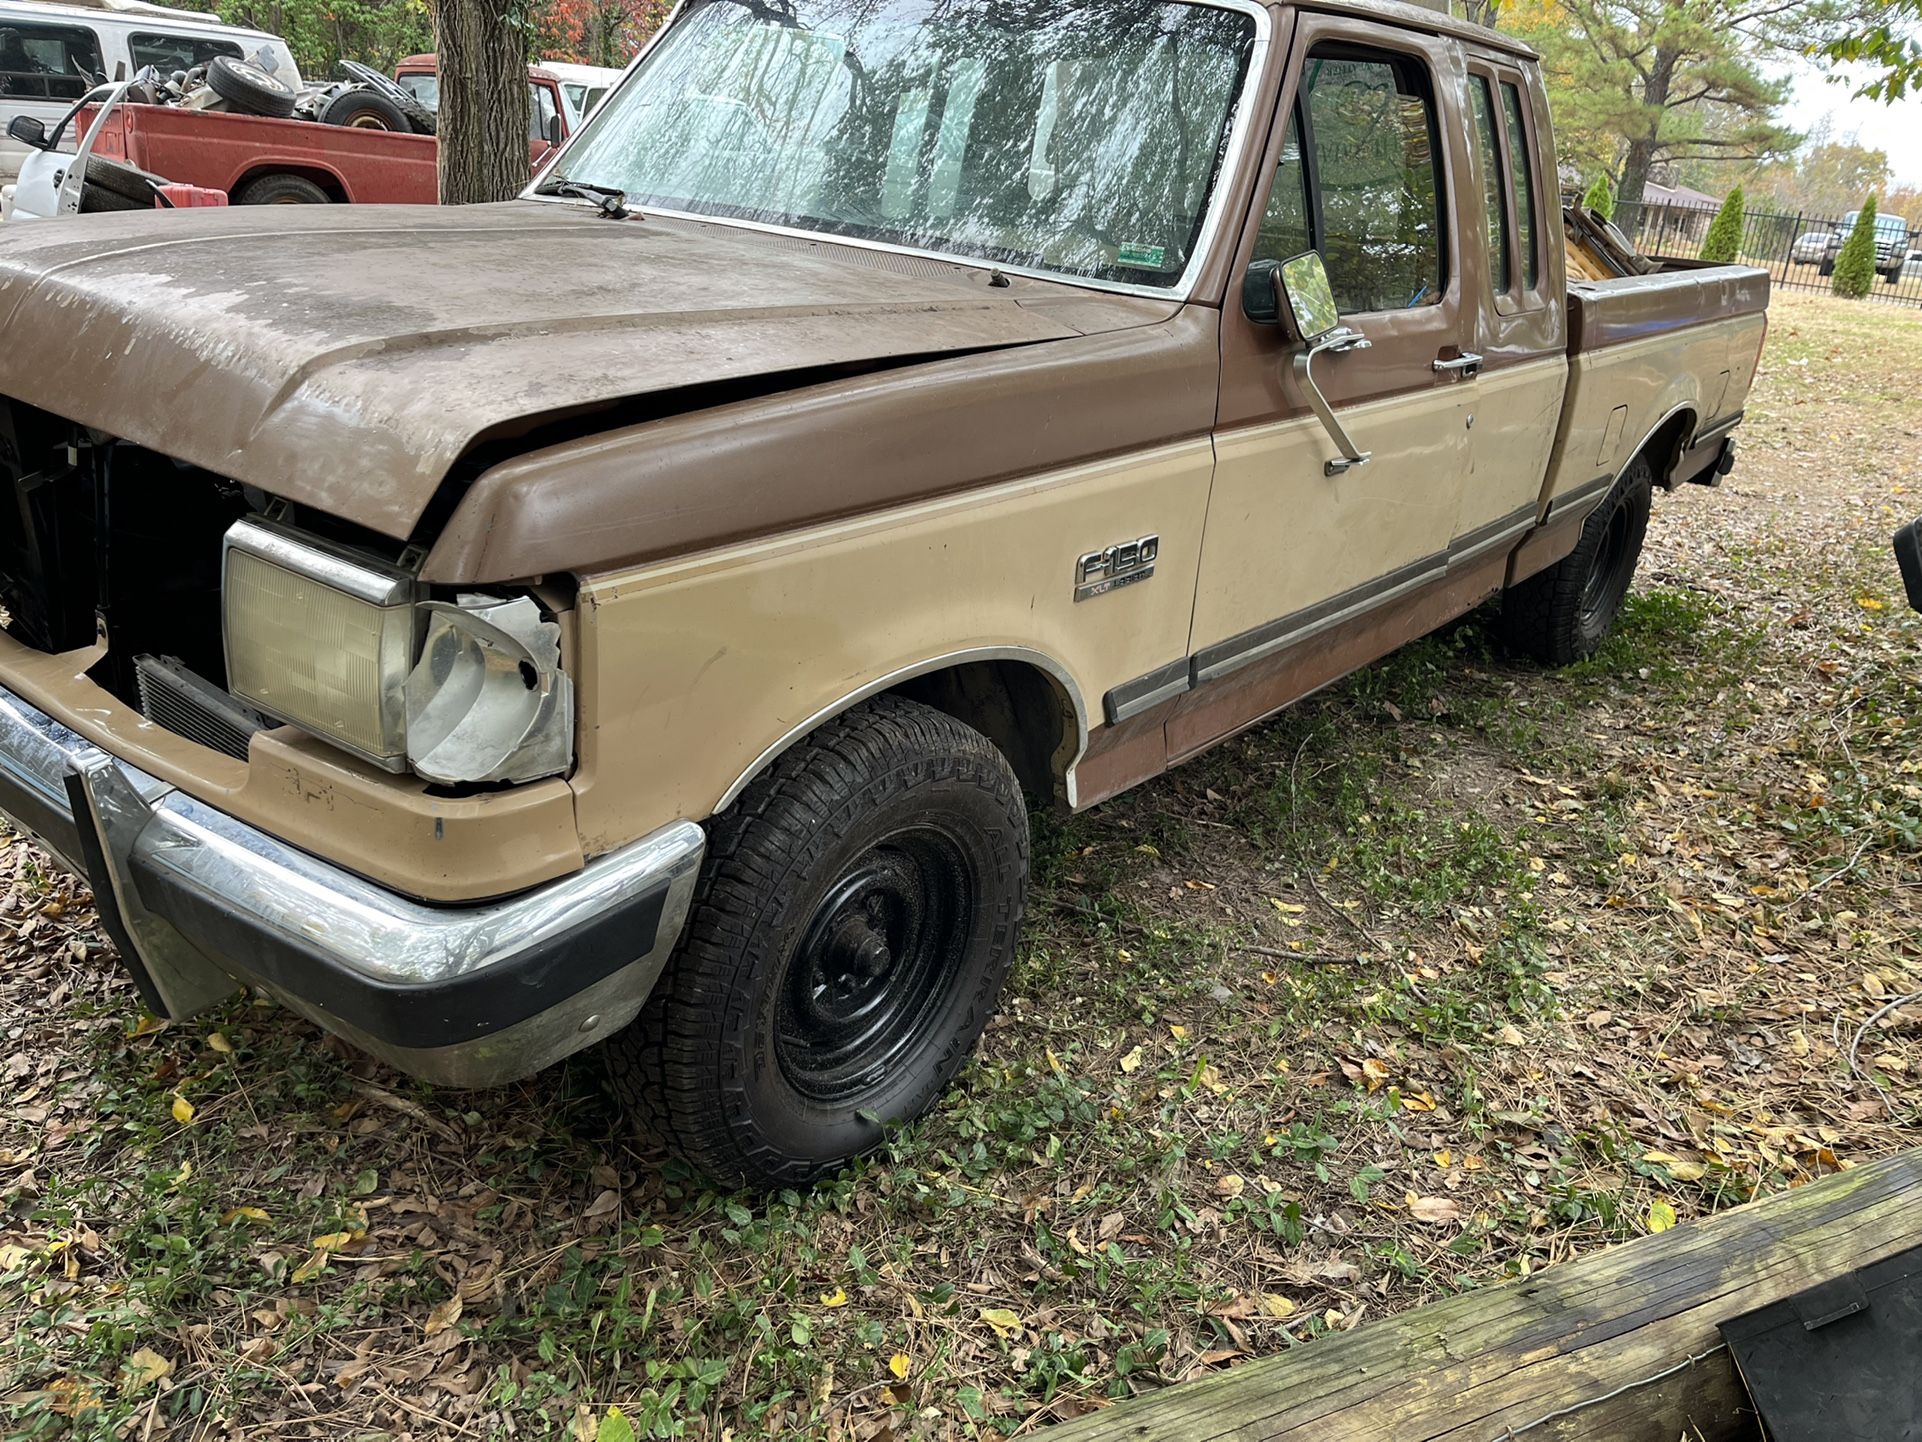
[1150, 256]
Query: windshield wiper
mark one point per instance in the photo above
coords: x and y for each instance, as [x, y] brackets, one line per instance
[611, 203]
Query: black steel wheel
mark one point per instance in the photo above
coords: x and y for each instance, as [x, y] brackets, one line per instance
[855, 918]
[1564, 613]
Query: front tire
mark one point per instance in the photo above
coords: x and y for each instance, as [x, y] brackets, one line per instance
[1563, 614]
[855, 918]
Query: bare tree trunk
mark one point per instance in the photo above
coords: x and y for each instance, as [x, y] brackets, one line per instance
[1639, 158]
[483, 102]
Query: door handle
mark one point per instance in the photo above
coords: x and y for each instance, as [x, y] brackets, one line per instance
[1466, 365]
[1340, 339]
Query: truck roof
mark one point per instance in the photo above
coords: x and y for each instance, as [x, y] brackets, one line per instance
[1436, 20]
[430, 65]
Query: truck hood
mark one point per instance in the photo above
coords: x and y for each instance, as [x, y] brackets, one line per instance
[348, 357]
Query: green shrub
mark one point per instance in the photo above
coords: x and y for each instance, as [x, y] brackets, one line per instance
[1855, 266]
[1725, 231]
[1600, 198]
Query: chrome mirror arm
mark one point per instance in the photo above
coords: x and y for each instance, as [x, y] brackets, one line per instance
[1338, 340]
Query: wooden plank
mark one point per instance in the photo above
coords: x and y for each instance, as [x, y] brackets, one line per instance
[1476, 1367]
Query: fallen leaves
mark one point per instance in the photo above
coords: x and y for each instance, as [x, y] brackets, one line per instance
[145, 1367]
[1434, 1211]
[1005, 1323]
[182, 1109]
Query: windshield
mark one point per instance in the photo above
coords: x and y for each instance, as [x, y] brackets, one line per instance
[423, 87]
[1084, 139]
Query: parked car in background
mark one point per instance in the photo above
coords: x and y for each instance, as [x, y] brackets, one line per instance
[548, 116]
[1891, 246]
[51, 55]
[265, 160]
[1810, 248]
[582, 86]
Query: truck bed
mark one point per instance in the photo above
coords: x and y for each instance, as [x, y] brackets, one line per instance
[224, 151]
[1659, 362]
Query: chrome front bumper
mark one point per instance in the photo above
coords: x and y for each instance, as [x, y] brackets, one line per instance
[465, 996]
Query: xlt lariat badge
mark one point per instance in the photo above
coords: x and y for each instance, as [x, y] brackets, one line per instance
[1099, 572]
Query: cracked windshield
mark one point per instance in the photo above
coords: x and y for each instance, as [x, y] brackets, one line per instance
[1083, 140]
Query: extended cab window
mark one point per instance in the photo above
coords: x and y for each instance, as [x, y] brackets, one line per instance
[1488, 151]
[1521, 166]
[168, 53]
[47, 62]
[1360, 180]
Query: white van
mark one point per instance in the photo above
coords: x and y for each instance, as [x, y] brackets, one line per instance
[52, 54]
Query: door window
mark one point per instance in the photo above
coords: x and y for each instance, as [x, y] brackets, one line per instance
[1360, 181]
[1488, 151]
[1521, 166]
[540, 112]
[48, 62]
[168, 53]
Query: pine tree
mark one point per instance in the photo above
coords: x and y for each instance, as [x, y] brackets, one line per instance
[1600, 198]
[1855, 266]
[1725, 231]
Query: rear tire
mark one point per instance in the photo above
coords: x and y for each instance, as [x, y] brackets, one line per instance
[281, 190]
[856, 914]
[1563, 614]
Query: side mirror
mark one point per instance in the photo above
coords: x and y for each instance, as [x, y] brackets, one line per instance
[29, 130]
[554, 134]
[1303, 293]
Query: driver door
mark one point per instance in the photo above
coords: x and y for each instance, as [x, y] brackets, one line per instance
[1298, 555]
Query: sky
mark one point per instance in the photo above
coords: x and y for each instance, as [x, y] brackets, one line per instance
[1896, 129]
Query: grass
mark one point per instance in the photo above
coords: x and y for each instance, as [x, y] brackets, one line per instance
[1448, 974]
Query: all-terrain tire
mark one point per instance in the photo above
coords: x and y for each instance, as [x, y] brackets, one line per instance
[281, 190]
[1563, 614]
[250, 87]
[729, 1063]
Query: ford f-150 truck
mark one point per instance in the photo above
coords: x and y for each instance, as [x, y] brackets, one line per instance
[641, 613]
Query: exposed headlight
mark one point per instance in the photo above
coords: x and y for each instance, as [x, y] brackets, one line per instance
[489, 701]
[352, 650]
[321, 638]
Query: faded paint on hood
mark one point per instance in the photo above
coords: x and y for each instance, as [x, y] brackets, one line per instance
[346, 357]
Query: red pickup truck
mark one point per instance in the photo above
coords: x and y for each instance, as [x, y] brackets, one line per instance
[262, 161]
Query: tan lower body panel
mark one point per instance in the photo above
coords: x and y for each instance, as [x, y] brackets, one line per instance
[385, 828]
[695, 670]
[1621, 394]
[1284, 536]
[1119, 757]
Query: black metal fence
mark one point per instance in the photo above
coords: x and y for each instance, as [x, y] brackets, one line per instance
[1795, 249]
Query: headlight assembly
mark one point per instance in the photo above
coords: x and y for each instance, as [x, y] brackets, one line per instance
[351, 650]
[488, 700]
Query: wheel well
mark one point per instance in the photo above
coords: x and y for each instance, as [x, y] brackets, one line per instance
[325, 179]
[1026, 712]
[1664, 447]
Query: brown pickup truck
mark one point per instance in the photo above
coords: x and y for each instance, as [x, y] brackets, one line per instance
[642, 612]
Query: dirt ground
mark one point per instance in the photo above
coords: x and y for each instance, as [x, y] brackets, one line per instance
[1457, 971]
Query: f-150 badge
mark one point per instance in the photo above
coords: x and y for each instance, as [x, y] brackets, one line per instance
[1099, 572]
